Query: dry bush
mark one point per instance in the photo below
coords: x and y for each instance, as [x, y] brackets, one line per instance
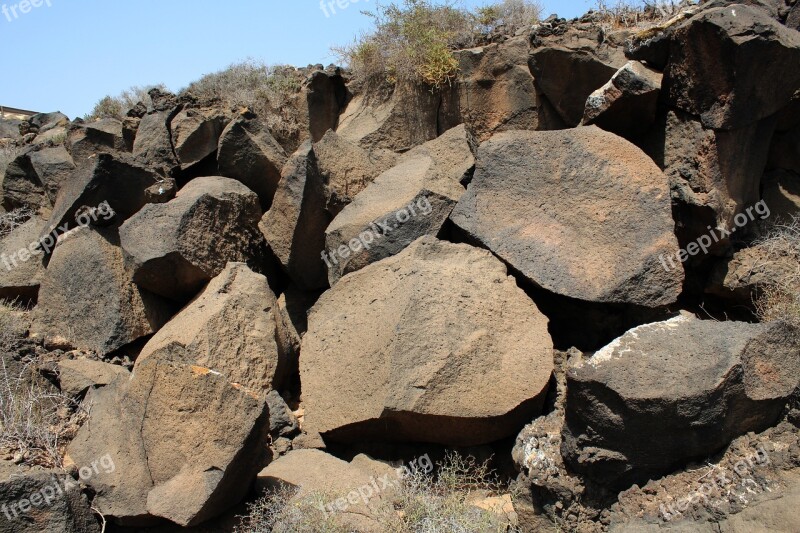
[509, 15]
[13, 219]
[36, 420]
[422, 503]
[267, 90]
[632, 13]
[118, 106]
[780, 298]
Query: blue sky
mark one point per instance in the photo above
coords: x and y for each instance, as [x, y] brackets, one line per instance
[67, 54]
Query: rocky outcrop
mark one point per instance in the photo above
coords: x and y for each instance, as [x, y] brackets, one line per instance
[412, 199]
[544, 202]
[230, 328]
[174, 249]
[185, 443]
[666, 393]
[87, 300]
[248, 153]
[383, 359]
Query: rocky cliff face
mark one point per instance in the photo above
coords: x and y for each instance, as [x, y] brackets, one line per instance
[553, 248]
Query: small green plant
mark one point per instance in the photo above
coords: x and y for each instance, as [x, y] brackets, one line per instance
[118, 106]
[780, 297]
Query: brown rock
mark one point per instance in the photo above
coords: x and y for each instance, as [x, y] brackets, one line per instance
[76, 376]
[384, 358]
[196, 133]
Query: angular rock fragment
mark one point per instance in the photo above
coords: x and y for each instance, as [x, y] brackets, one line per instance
[87, 300]
[248, 153]
[230, 328]
[196, 133]
[670, 392]
[76, 376]
[33, 179]
[436, 344]
[412, 199]
[153, 144]
[173, 249]
[627, 104]
[86, 140]
[581, 213]
[185, 442]
[21, 266]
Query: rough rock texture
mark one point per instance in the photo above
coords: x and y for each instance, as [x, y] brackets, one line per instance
[384, 358]
[410, 116]
[294, 227]
[66, 509]
[627, 104]
[326, 97]
[315, 473]
[717, 66]
[196, 133]
[20, 279]
[173, 249]
[248, 153]
[412, 199]
[112, 178]
[568, 69]
[76, 376]
[674, 391]
[153, 144]
[549, 204]
[713, 175]
[185, 442]
[85, 141]
[497, 92]
[229, 328]
[87, 299]
[34, 178]
[347, 169]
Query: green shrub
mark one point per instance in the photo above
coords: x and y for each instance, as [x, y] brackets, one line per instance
[118, 106]
[780, 297]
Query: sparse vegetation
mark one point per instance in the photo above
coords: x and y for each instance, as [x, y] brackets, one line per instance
[440, 503]
[414, 40]
[36, 420]
[265, 90]
[118, 106]
[780, 298]
[13, 219]
[630, 13]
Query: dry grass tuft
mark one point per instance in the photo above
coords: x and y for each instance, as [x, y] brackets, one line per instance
[631, 13]
[118, 106]
[36, 420]
[422, 503]
[13, 219]
[780, 298]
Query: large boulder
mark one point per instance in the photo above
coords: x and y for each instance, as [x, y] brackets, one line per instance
[497, 92]
[153, 144]
[568, 70]
[411, 115]
[248, 153]
[186, 443]
[114, 180]
[627, 104]
[230, 328]
[87, 300]
[347, 169]
[76, 376]
[412, 199]
[385, 359]
[295, 225]
[34, 178]
[173, 249]
[20, 266]
[581, 213]
[42, 501]
[195, 134]
[717, 68]
[714, 175]
[670, 392]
